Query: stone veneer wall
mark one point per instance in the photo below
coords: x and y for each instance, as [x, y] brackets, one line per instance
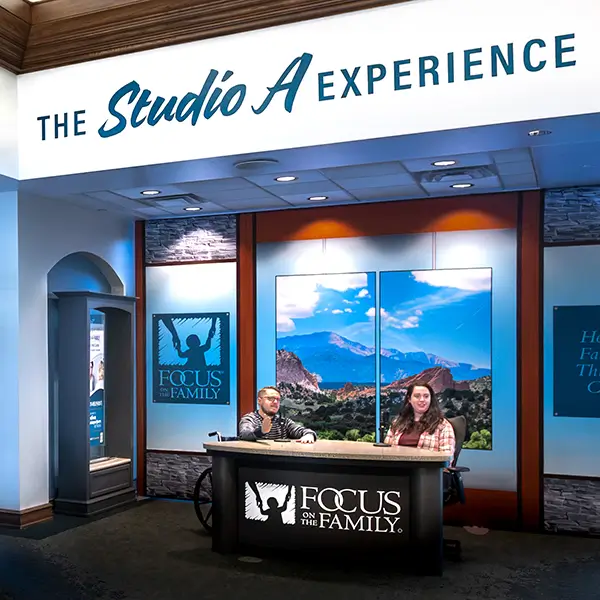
[572, 215]
[572, 505]
[191, 240]
[170, 475]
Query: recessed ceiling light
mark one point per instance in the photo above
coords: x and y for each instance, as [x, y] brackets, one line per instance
[538, 132]
[192, 208]
[461, 186]
[150, 192]
[443, 163]
[317, 198]
[286, 178]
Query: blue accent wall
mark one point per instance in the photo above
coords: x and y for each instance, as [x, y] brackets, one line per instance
[199, 288]
[570, 279]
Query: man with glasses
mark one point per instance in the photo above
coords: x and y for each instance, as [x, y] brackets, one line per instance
[266, 424]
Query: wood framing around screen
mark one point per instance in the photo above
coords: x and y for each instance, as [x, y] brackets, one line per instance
[496, 211]
[530, 370]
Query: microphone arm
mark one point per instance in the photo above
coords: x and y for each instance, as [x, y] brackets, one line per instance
[281, 416]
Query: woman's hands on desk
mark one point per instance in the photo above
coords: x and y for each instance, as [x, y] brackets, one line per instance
[307, 438]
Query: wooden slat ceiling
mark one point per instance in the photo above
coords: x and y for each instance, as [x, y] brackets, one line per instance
[45, 34]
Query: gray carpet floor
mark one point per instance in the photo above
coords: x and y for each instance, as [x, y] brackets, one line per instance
[157, 550]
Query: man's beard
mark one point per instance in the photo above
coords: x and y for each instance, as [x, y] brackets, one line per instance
[271, 413]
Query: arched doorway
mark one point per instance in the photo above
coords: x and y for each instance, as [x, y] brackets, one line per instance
[80, 271]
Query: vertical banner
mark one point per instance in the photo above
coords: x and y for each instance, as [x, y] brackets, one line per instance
[191, 358]
[97, 434]
[577, 361]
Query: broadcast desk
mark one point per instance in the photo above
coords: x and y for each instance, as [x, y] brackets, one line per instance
[342, 497]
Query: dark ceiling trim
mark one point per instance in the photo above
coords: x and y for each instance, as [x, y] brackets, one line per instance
[75, 31]
[14, 32]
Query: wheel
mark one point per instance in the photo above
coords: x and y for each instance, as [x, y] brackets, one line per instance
[203, 499]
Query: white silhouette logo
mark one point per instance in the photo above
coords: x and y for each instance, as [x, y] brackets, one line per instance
[272, 502]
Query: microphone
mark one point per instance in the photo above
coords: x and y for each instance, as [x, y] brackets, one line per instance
[383, 427]
[281, 416]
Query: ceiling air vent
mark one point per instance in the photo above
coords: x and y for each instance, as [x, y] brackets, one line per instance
[255, 163]
[459, 175]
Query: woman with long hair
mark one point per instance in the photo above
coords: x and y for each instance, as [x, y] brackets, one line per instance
[420, 423]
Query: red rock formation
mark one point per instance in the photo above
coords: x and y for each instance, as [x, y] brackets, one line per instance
[291, 370]
[439, 378]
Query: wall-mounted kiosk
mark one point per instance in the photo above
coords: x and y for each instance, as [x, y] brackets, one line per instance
[95, 402]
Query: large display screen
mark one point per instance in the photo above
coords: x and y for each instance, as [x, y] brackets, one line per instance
[97, 401]
[434, 327]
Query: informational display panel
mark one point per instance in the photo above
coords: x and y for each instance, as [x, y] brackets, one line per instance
[577, 361]
[97, 401]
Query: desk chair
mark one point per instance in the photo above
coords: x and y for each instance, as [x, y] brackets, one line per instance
[454, 489]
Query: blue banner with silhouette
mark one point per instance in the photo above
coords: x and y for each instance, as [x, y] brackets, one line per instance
[191, 358]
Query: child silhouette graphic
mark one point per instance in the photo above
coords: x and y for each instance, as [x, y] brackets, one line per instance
[195, 354]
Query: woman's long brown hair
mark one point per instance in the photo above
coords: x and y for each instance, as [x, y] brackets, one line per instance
[405, 421]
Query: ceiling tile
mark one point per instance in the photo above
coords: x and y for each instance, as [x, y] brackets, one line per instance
[509, 156]
[463, 160]
[361, 183]
[373, 170]
[152, 212]
[309, 188]
[389, 193]
[267, 180]
[136, 193]
[211, 207]
[445, 189]
[524, 180]
[515, 168]
[103, 198]
[216, 185]
[225, 196]
[264, 202]
[332, 196]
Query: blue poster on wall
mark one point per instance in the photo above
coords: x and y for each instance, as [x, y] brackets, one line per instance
[577, 361]
[97, 418]
[97, 407]
[190, 358]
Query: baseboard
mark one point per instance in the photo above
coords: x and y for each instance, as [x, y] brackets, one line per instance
[485, 508]
[95, 506]
[20, 519]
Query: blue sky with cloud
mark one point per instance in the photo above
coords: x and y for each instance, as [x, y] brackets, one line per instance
[342, 303]
[443, 312]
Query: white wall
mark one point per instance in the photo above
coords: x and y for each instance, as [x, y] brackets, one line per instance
[48, 231]
[9, 158]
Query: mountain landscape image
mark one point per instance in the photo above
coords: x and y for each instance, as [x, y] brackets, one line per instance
[326, 359]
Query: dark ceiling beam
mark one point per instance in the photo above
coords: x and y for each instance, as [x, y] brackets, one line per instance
[15, 23]
[64, 32]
